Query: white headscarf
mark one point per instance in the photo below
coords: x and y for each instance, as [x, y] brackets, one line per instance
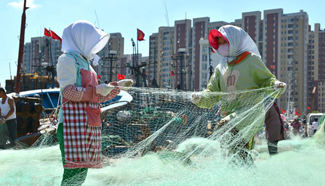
[239, 41]
[85, 38]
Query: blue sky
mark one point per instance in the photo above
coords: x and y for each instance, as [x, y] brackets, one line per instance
[125, 16]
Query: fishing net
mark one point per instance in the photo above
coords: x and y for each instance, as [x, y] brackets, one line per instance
[162, 121]
[162, 138]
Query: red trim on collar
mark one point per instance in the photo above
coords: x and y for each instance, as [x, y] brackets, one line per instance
[239, 58]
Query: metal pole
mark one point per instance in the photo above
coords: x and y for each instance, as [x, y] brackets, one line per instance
[53, 74]
[10, 71]
[52, 63]
[181, 70]
[110, 57]
[137, 65]
[21, 46]
[210, 65]
[133, 62]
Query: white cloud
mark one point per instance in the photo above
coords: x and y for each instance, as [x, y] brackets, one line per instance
[20, 4]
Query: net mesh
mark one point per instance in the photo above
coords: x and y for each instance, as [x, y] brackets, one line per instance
[162, 120]
[161, 137]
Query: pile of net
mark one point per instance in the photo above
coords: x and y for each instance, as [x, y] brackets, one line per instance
[161, 137]
[162, 120]
[159, 120]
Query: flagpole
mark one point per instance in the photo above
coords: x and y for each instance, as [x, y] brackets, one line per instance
[21, 47]
[51, 67]
[137, 52]
[137, 61]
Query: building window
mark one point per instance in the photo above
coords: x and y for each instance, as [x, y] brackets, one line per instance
[204, 57]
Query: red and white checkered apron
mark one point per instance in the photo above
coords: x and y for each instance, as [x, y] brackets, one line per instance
[82, 143]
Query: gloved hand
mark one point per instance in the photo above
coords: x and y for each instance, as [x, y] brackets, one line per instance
[125, 83]
[226, 119]
[2, 120]
[196, 97]
[280, 85]
[104, 89]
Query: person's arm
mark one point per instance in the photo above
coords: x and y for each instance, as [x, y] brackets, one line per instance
[66, 74]
[263, 76]
[12, 108]
[73, 93]
[210, 96]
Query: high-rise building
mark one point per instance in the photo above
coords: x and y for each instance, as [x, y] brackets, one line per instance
[253, 25]
[316, 69]
[153, 61]
[293, 60]
[39, 54]
[271, 39]
[182, 54]
[312, 68]
[321, 70]
[27, 59]
[204, 64]
[111, 56]
[165, 64]
[200, 31]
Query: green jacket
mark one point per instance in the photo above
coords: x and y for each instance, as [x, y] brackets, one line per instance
[248, 74]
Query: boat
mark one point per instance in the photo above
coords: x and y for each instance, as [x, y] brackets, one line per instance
[35, 110]
[50, 98]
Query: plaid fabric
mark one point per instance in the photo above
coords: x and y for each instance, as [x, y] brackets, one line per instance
[74, 93]
[82, 143]
[111, 95]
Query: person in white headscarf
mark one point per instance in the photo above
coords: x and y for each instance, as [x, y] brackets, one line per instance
[240, 68]
[79, 129]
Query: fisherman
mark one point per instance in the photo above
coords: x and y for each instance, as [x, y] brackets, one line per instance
[79, 129]
[296, 125]
[240, 68]
[315, 125]
[274, 128]
[8, 113]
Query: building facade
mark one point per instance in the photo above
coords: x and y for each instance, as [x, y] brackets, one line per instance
[110, 64]
[39, 54]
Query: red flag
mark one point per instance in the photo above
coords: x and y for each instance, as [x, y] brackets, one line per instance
[55, 36]
[99, 76]
[172, 73]
[47, 32]
[272, 67]
[120, 76]
[140, 35]
[283, 111]
[298, 113]
[212, 50]
[308, 108]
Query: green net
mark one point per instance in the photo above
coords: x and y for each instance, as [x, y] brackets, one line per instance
[162, 138]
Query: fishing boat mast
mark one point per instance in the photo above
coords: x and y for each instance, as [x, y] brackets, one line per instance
[21, 47]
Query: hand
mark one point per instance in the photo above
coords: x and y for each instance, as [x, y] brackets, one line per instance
[2, 120]
[125, 83]
[196, 97]
[104, 89]
[226, 119]
[113, 83]
[115, 91]
[221, 122]
[280, 85]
